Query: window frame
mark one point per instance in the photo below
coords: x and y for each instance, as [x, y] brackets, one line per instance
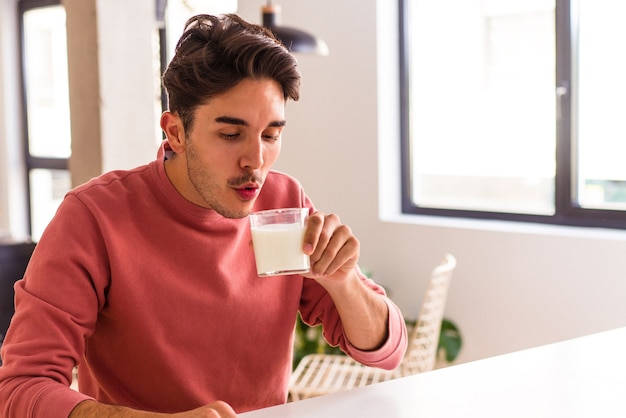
[566, 211]
[32, 162]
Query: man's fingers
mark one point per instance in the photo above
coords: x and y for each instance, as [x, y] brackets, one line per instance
[314, 226]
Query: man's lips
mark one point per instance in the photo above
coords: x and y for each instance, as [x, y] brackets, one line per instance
[248, 191]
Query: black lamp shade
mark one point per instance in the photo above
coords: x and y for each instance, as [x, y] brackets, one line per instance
[295, 40]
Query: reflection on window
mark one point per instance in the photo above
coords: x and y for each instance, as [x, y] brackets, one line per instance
[483, 107]
[46, 81]
[601, 105]
[46, 95]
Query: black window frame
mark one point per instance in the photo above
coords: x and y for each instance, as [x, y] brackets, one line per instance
[32, 162]
[567, 212]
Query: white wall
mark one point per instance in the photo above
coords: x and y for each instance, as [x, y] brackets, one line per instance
[516, 286]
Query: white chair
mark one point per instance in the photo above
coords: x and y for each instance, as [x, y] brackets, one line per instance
[319, 374]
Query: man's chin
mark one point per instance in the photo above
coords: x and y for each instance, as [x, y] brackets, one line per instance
[233, 212]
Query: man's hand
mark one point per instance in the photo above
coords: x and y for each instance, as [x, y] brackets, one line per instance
[333, 249]
[334, 253]
[95, 409]
[217, 409]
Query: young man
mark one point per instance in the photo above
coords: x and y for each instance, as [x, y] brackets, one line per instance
[146, 278]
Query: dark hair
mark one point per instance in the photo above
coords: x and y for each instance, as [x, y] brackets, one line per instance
[215, 53]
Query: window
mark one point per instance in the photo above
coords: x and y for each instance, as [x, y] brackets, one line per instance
[47, 135]
[511, 110]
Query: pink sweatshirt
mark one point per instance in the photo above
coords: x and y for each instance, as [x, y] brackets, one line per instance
[158, 302]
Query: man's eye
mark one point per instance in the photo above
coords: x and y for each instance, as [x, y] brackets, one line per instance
[230, 136]
[272, 135]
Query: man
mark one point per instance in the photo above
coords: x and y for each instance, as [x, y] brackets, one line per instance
[146, 278]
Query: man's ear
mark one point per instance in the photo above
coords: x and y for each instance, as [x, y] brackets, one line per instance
[172, 125]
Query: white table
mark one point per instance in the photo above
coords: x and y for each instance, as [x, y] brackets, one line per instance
[583, 377]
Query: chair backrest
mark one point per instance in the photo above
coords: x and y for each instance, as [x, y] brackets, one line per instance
[13, 261]
[421, 353]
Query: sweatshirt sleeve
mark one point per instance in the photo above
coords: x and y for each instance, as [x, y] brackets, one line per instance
[56, 309]
[317, 308]
[390, 354]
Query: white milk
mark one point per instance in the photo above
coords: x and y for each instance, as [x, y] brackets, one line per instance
[278, 249]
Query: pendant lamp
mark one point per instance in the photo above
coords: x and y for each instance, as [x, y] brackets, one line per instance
[295, 40]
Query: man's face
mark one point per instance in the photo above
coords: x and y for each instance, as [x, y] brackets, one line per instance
[235, 140]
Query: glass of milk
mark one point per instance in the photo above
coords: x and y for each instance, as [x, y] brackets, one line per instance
[278, 237]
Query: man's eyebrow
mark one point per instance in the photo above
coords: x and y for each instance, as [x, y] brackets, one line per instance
[237, 121]
[278, 123]
[231, 120]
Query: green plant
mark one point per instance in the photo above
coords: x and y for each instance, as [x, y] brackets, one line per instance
[450, 341]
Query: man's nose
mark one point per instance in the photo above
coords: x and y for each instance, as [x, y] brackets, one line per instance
[253, 154]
